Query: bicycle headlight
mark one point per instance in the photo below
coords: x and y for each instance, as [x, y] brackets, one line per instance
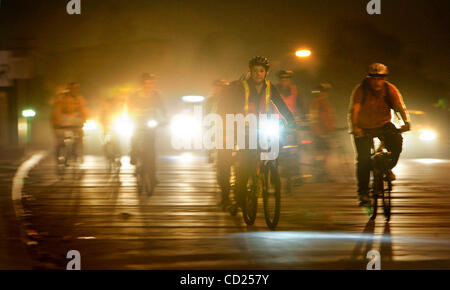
[123, 126]
[270, 128]
[152, 123]
[427, 135]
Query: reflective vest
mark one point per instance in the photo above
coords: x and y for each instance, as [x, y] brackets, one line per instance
[247, 95]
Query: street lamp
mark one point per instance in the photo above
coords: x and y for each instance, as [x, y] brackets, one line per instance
[302, 53]
[28, 113]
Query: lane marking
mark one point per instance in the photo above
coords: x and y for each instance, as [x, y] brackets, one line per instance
[21, 174]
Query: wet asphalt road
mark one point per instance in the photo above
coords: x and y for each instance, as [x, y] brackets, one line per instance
[180, 227]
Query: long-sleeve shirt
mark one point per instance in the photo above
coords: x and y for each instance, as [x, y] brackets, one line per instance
[233, 101]
[69, 111]
[323, 115]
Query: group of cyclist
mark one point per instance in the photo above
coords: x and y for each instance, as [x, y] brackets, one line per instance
[370, 111]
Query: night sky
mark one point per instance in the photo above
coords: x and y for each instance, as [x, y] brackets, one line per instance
[188, 44]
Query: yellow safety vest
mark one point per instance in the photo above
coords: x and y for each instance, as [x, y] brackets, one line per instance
[247, 95]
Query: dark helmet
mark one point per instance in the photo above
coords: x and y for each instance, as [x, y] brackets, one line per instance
[259, 60]
[148, 77]
[285, 74]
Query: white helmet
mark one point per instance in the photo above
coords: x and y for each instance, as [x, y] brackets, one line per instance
[377, 69]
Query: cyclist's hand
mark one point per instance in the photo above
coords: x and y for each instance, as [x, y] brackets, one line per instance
[406, 127]
[357, 132]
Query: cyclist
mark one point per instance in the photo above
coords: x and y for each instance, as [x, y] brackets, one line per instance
[112, 107]
[213, 99]
[69, 113]
[289, 92]
[251, 95]
[370, 111]
[144, 104]
[322, 121]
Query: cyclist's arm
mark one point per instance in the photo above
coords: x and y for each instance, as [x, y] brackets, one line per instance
[281, 106]
[355, 107]
[83, 109]
[397, 102]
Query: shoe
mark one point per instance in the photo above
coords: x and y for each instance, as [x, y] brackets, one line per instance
[391, 176]
[364, 199]
[133, 161]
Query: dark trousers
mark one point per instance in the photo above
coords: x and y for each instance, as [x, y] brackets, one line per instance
[392, 141]
[143, 147]
[223, 170]
[247, 161]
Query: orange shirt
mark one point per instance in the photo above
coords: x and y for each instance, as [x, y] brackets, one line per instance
[323, 115]
[69, 111]
[376, 107]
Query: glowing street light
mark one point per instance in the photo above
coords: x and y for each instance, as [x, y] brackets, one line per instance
[193, 99]
[28, 113]
[302, 53]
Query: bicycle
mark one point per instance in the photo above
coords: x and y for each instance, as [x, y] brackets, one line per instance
[67, 154]
[382, 184]
[261, 178]
[111, 149]
[289, 159]
[145, 156]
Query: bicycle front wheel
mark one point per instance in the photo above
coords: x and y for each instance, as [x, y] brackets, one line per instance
[271, 186]
[250, 206]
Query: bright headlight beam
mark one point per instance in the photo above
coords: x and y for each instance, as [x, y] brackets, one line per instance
[123, 126]
[90, 125]
[427, 135]
[152, 123]
[270, 128]
[185, 126]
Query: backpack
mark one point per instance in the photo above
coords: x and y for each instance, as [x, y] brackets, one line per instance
[387, 96]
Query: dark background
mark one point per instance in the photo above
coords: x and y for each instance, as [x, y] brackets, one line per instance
[188, 44]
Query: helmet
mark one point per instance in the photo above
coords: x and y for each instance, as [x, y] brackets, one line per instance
[377, 69]
[285, 74]
[147, 77]
[323, 87]
[259, 60]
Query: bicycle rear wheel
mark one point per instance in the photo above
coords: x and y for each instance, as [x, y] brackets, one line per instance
[250, 205]
[376, 192]
[271, 187]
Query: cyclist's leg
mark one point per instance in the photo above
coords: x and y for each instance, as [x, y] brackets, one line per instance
[78, 143]
[247, 164]
[59, 139]
[223, 168]
[393, 143]
[133, 148]
[363, 146]
[151, 151]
